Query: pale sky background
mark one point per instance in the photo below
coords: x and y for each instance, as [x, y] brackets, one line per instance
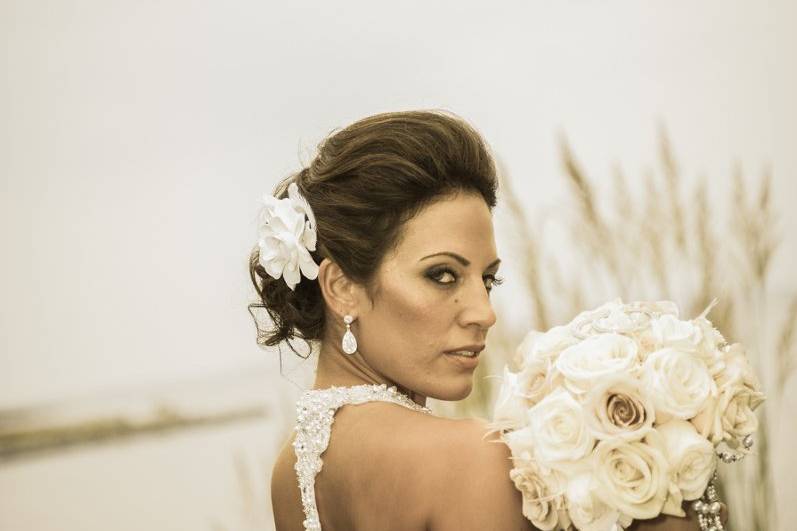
[136, 138]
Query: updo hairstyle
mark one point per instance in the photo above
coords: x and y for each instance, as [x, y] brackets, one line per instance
[366, 181]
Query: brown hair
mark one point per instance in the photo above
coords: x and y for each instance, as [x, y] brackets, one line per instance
[366, 181]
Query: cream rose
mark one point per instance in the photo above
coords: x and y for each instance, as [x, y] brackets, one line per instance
[559, 430]
[712, 338]
[543, 501]
[730, 416]
[736, 367]
[669, 331]
[534, 381]
[738, 418]
[520, 443]
[619, 407]
[707, 422]
[618, 320]
[713, 360]
[631, 476]
[509, 411]
[596, 357]
[691, 457]
[523, 351]
[710, 346]
[678, 383]
[586, 510]
[544, 346]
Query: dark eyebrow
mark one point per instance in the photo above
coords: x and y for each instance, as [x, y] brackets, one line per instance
[462, 260]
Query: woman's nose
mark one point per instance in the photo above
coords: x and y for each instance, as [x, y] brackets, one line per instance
[478, 308]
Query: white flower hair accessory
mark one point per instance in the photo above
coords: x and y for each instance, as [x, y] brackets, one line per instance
[285, 238]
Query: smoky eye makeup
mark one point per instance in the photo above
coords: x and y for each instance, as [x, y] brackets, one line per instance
[438, 273]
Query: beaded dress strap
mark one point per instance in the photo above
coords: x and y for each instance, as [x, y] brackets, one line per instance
[315, 413]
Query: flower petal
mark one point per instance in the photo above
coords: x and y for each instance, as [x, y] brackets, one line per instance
[308, 267]
[291, 276]
[300, 203]
[309, 237]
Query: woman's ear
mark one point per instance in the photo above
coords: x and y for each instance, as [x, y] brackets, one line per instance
[339, 292]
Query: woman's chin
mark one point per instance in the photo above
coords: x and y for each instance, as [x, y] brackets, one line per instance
[457, 390]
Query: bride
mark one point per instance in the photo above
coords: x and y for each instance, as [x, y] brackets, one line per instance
[383, 251]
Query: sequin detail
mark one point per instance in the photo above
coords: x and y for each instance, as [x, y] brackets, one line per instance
[315, 412]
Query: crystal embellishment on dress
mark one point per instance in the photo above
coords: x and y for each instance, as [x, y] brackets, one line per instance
[315, 413]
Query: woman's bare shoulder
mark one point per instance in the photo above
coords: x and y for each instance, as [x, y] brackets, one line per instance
[451, 473]
[468, 478]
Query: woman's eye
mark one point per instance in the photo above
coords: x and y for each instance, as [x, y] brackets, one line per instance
[494, 281]
[441, 274]
[448, 276]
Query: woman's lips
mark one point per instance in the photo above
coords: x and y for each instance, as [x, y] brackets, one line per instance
[466, 362]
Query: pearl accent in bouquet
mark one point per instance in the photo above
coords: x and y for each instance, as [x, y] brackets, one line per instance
[619, 414]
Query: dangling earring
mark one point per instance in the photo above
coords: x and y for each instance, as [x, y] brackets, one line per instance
[349, 341]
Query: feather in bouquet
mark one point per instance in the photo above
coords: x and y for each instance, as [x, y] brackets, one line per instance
[619, 414]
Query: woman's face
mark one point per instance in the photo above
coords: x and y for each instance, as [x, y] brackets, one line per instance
[433, 298]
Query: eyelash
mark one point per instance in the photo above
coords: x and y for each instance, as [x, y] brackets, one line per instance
[435, 274]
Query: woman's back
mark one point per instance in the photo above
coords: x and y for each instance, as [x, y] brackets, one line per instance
[388, 467]
[383, 250]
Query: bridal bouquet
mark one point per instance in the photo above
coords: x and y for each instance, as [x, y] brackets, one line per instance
[617, 416]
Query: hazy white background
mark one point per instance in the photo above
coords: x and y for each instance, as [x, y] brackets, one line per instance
[136, 138]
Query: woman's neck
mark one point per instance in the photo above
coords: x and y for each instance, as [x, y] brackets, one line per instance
[335, 368]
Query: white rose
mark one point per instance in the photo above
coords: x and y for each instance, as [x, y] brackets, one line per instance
[646, 343]
[521, 444]
[730, 415]
[708, 423]
[738, 418]
[596, 357]
[669, 331]
[713, 360]
[616, 321]
[736, 367]
[631, 476]
[737, 410]
[559, 429]
[678, 382]
[646, 339]
[524, 349]
[618, 406]
[509, 411]
[544, 346]
[535, 381]
[691, 457]
[543, 501]
[709, 349]
[586, 510]
[712, 338]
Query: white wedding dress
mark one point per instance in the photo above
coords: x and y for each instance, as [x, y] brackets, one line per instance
[315, 413]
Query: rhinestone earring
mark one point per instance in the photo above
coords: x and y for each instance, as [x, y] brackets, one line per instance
[349, 341]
